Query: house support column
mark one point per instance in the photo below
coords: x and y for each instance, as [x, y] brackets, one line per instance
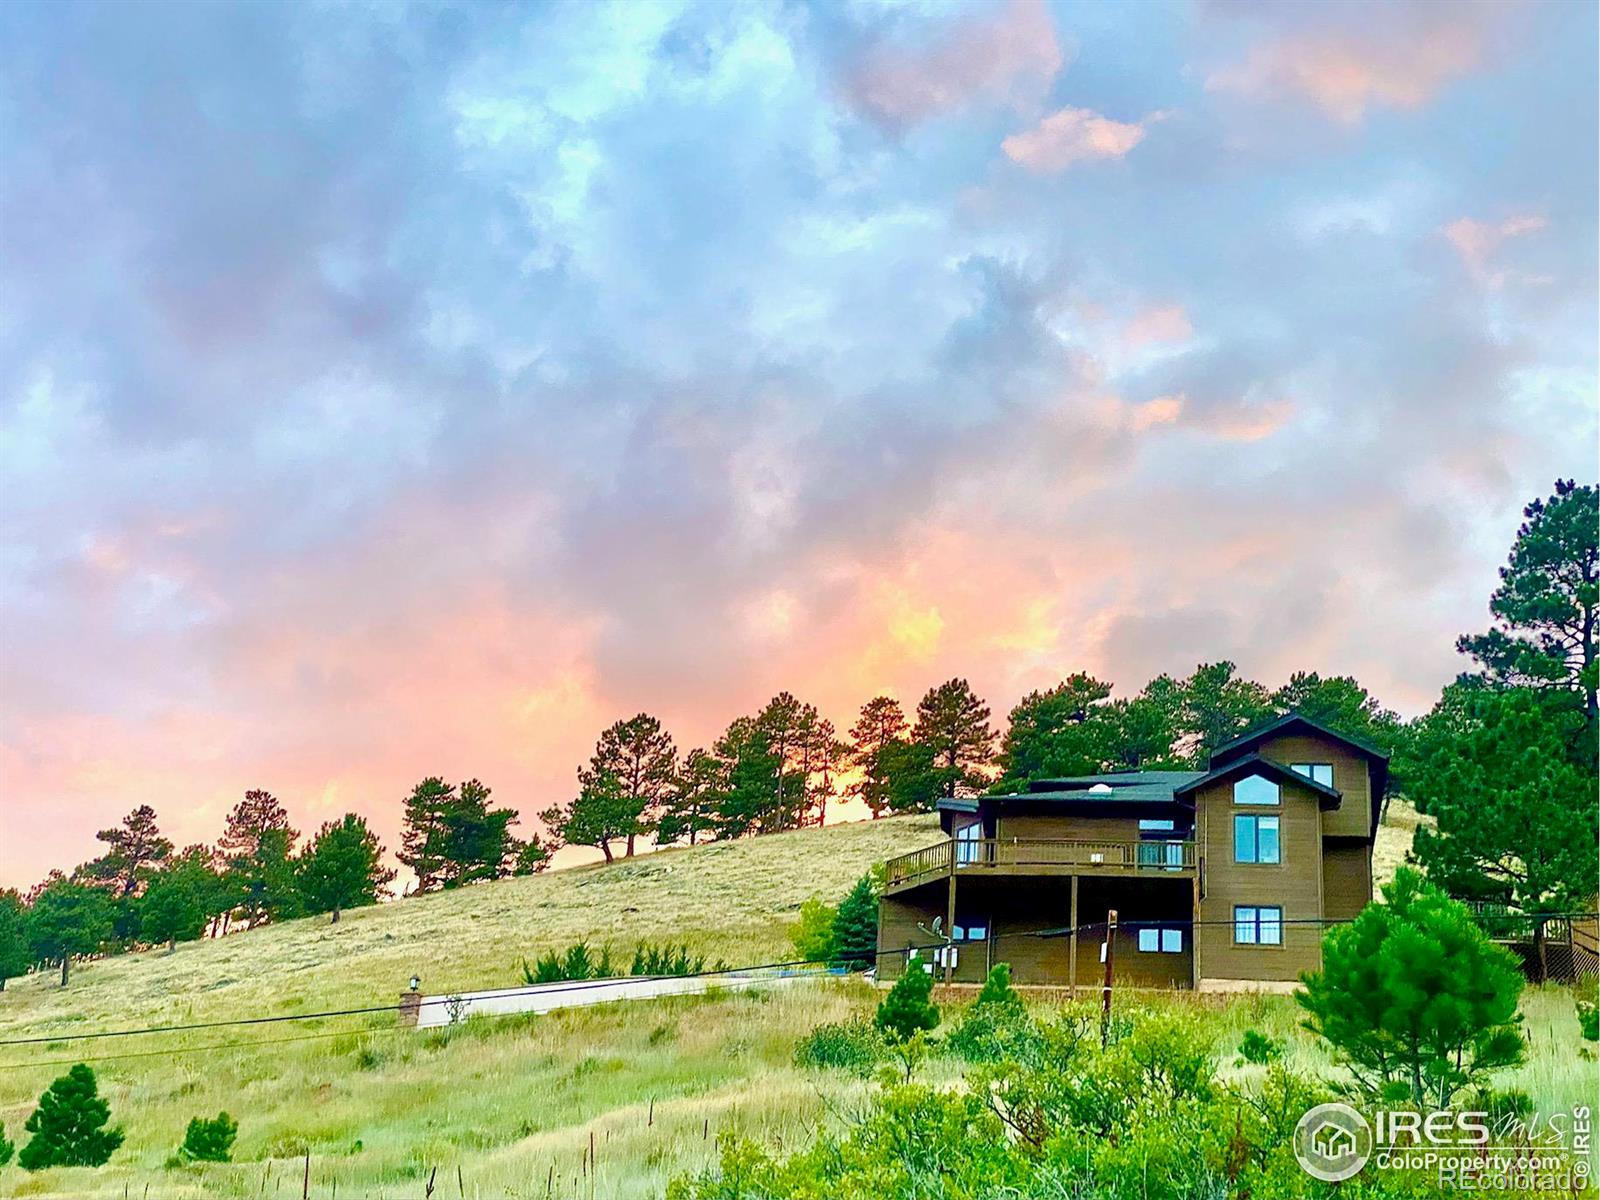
[1194, 934]
[1072, 944]
[950, 921]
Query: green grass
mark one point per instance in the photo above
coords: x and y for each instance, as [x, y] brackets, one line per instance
[515, 1102]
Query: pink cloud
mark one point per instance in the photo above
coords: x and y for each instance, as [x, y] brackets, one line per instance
[1154, 326]
[1072, 135]
[1398, 57]
[1009, 58]
[1478, 243]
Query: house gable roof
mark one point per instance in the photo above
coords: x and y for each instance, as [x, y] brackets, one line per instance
[1293, 722]
[1254, 764]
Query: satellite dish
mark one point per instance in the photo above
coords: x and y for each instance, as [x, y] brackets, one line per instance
[938, 927]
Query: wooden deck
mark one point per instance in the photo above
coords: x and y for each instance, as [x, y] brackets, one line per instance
[1039, 856]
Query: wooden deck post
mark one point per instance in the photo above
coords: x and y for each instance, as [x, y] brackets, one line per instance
[1072, 944]
[1105, 991]
[950, 919]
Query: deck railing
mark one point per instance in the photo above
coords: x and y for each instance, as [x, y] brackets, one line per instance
[1047, 855]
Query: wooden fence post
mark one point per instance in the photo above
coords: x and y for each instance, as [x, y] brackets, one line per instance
[1105, 990]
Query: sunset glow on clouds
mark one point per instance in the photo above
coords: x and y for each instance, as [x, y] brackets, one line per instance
[405, 391]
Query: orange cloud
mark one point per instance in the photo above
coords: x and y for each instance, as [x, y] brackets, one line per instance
[1010, 59]
[1070, 136]
[1165, 323]
[1398, 58]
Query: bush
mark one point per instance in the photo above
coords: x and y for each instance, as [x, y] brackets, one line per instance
[210, 1140]
[1259, 1049]
[6, 1148]
[68, 1127]
[908, 1008]
[1589, 1021]
[812, 934]
[995, 1019]
[853, 1046]
[578, 962]
[667, 959]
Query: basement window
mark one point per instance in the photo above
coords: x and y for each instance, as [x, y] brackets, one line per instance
[1161, 941]
[973, 931]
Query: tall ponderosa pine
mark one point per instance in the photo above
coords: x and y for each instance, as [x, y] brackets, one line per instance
[67, 919]
[689, 810]
[789, 726]
[14, 955]
[252, 817]
[136, 850]
[855, 928]
[422, 835]
[882, 722]
[1063, 731]
[1413, 993]
[257, 848]
[181, 898]
[640, 756]
[1545, 635]
[597, 816]
[825, 756]
[343, 868]
[742, 803]
[954, 725]
[69, 1126]
[1218, 705]
[478, 844]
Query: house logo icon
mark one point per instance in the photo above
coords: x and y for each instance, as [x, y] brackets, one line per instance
[1332, 1142]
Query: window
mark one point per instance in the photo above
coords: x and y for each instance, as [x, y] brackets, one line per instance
[1253, 789]
[1155, 826]
[1316, 772]
[1257, 926]
[974, 930]
[967, 839]
[1161, 941]
[1255, 839]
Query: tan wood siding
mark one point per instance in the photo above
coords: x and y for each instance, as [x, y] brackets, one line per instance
[1294, 884]
[1089, 829]
[1346, 877]
[1351, 776]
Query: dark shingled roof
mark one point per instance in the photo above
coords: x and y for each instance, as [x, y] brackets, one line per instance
[1254, 764]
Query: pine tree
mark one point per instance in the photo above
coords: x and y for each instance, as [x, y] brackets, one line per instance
[748, 767]
[422, 835]
[343, 868]
[1218, 705]
[855, 928]
[1063, 731]
[908, 1009]
[597, 816]
[265, 879]
[477, 841]
[68, 919]
[250, 819]
[7, 1149]
[954, 725]
[68, 1127]
[636, 765]
[14, 955]
[688, 809]
[881, 722]
[1413, 993]
[209, 1139]
[174, 905]
[788, 727]
[1546, 635]
[137, 850]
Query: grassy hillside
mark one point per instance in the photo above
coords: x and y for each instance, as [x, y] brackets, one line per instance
[513, 1103]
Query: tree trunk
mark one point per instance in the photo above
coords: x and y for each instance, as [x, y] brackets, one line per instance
[66, 961]
[630, 846]
[605, 848]
[335, 920]
[1539, 951]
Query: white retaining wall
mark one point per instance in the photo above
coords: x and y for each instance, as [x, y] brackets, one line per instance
[547, 997]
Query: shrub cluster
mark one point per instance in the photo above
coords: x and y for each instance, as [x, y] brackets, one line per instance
[854, 1046]
[581, 961]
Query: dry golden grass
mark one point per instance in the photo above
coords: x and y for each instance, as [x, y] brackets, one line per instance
[514, 1102]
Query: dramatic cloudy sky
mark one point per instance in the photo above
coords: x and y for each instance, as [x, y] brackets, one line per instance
[394, 390]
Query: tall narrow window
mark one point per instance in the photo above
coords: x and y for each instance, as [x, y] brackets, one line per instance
[968, 837]
[1255, 839]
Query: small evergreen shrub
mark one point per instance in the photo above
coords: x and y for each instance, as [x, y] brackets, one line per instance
[908, 1008]
[992, 1022]
[577, 962]
[649, 959]
[853, 1046]
[1258, 1049]
[1589, 1020]
[209, 1140]
[68, 1127]
[855, 928]
[6, 1148]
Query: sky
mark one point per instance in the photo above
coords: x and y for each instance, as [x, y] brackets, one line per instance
[390, 390]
